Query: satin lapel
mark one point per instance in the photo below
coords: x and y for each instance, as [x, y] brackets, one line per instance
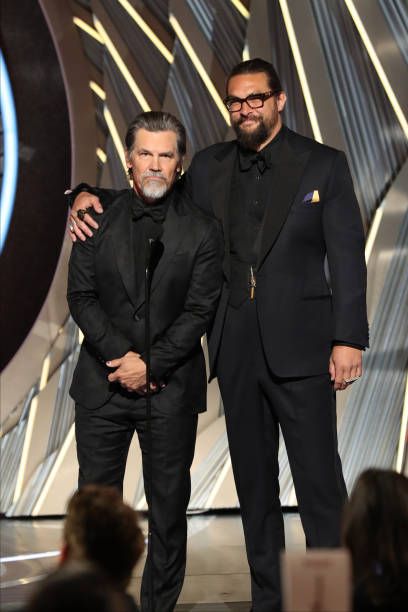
[285, 181]
[121, 232]
[221, 180]
[173, 232]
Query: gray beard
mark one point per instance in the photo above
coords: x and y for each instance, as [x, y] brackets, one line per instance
[154, 190]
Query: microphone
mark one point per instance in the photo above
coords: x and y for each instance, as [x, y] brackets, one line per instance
[154, 251]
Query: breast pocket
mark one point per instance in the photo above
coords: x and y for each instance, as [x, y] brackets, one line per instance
[308, 208]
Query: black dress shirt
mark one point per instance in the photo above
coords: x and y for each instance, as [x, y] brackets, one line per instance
[147, 222]
[251, 192]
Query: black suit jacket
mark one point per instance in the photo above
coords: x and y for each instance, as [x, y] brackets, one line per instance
[300, 314]
[109, 308]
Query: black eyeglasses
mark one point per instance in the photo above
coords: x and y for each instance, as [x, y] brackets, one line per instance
[255, 100]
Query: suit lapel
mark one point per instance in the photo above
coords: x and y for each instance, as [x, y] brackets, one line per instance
[121, 232]
[285, 182]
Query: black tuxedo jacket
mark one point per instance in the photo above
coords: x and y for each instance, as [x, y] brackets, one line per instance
[300, 313]
[109, 308]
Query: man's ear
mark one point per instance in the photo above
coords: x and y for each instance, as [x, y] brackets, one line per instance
[129, 165]
[179, 169]
[281, 101]
[127, 159]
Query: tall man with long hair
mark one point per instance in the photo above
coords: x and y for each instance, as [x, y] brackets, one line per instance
[285, 337]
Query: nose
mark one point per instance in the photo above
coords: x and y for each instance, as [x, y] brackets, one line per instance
[245, 108]
[155, 163]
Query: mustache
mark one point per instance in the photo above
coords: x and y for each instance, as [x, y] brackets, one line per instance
[253, 117]
[151, 173]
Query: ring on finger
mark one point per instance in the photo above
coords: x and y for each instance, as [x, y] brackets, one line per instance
[348, 381]
[81, 213]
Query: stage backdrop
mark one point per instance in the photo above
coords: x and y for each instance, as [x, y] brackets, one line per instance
[79, 72]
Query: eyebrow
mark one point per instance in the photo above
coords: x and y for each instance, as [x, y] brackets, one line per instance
[254, 93]
[151, 153]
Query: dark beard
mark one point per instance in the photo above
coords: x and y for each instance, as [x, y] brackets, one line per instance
[254, 139]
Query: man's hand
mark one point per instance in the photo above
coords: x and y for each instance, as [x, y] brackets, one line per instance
[130, 372]
[79, 226]
[345, 365]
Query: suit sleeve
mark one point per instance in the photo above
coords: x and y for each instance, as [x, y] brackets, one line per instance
[196, 185]
[345, 242]
[106, 196]
[181, 338]
[107, 341]
[188, 180]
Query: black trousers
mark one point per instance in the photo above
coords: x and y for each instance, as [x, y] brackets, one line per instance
[255, 402]
[103, 438]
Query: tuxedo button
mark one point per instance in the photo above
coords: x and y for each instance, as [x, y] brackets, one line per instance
[136, 317]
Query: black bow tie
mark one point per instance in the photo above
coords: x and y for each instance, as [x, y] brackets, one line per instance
[249, 158]
[157, 212]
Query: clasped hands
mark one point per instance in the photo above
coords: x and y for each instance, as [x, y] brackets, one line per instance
[345, 366]
[130, 373]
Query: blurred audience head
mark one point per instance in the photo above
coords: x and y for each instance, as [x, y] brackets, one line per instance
[102, 529]
[77, 587]
[375, 530]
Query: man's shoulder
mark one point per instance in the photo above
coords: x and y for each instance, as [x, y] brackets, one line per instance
[301, 142]
[215, 150]
[116, 208]
[197, 216]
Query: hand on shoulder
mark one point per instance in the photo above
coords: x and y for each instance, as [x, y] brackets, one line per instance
[80, 220]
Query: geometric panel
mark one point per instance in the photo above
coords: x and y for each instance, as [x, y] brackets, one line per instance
[396, 14]
[370, 428]
[117, 176]
[376, 145]
[11, 447]
[224, 28]
[93, 49]
[295, 114]
[128, 104]
[204, 124]
[140, 47]
[160, 9]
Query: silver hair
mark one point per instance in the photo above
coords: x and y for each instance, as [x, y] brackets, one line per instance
[157, 121]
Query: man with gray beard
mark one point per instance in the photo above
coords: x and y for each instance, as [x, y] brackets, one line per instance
[107, 300]
[285, 337]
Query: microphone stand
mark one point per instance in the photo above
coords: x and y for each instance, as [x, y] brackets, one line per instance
[154, 251]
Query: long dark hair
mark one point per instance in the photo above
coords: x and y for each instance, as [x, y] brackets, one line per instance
[375, 530]
[254, 66]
